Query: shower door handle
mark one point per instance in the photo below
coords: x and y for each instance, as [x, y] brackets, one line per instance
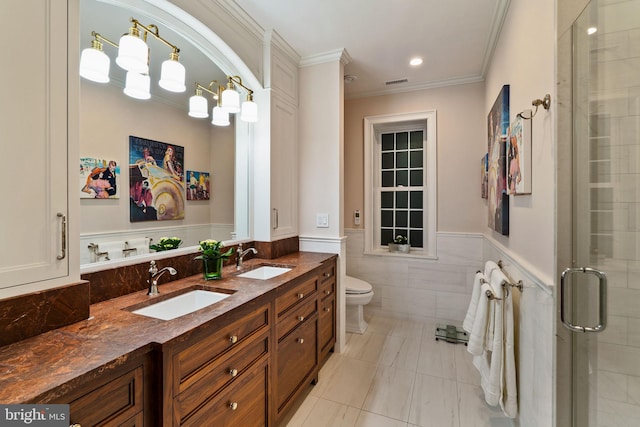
[602, 299]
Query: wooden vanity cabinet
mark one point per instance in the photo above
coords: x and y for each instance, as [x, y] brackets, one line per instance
[327, 310]
[221, 372]
[296, 355]
[117, 397]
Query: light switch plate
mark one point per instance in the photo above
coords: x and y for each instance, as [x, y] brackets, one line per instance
[322, 220]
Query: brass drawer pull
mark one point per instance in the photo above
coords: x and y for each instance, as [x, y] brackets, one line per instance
[233, 372]
[300, 295]
[301, 318]
[233, 339]
[233, 405]
[327, 309]
[327, 292]
[300, 340]
[327, 274]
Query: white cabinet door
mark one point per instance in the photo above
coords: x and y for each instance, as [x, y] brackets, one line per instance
[33, 141]
[284, 169]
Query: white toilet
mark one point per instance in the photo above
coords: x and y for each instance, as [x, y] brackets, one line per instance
[358, 294]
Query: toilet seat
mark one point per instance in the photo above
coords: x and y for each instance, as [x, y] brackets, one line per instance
[355, 286]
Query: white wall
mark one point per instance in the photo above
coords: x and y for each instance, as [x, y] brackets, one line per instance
[524, 59]
[459, 150]
[321, 164]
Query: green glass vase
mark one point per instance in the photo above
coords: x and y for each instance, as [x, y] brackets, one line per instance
[212, 268]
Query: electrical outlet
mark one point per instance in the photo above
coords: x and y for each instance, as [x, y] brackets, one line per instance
[322, 220]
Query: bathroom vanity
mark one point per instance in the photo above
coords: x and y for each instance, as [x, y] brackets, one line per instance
[242, 361]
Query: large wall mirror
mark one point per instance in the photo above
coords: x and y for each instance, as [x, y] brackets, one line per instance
[108, 118]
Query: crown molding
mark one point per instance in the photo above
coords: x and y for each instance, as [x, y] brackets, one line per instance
[321, 58]
[499, 16]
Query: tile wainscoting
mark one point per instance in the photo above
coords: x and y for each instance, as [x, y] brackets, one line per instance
[440, 290]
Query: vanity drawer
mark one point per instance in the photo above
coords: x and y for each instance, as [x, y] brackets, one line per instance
[302, 292]
[243, 403]
[112, 403]
[297, 360]
[216, 375]
[328, 273]
[327, 288]
[294, 317]
[189, 362]
[327, 333]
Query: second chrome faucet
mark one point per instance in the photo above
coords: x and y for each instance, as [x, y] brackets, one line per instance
[240, 254]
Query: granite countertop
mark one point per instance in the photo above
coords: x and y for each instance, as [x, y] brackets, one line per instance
[112, 334]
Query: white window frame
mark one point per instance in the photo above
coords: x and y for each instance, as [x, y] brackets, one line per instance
[374, 126]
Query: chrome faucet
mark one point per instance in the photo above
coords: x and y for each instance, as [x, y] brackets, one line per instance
[240, 255]
[154, 275]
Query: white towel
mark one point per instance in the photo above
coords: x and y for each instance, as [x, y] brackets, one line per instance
[141, 245]
[113, 249]
[509, 396]
[490, 267]
[467, 325]
[491, 363]
[477, 338]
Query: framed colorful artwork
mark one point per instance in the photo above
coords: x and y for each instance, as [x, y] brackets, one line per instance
[497, 127]
[484, 182]
[99, 178]
[519, 156]
[156, 180]
[198, 185]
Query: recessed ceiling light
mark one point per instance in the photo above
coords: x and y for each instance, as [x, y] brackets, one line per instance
[415, 61]
[591, 30]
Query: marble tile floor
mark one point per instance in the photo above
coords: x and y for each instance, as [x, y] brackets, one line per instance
[397, 375]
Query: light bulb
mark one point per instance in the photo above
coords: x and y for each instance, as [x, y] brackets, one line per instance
[172, 75]
[219, 117]
[198, 106]
[94, 65]
[137, 85]
[230, 100]
[133, 53]
[249, 112]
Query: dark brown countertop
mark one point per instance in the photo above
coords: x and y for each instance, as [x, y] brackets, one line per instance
[112, 334]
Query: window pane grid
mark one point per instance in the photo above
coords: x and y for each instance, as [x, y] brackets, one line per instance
[401, 170]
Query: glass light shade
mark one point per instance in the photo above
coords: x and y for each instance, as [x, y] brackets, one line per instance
[172, 76]
[249, 112]
[137, 85]
[220, 117]
[230, 101]
[198, 107]
[94, 65]
[133, 54]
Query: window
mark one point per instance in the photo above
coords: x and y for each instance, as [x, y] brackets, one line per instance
[400, 164]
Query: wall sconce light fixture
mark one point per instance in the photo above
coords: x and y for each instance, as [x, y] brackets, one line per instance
[133, 56]
[220, 113]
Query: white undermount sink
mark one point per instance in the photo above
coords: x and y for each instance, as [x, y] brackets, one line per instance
[181, 304]
[265, 272]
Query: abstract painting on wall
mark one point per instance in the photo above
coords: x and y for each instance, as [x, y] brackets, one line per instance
[156, 180]
[484, 180]
[198, 185]
[98, 178]
[497, 126]
[519, 156]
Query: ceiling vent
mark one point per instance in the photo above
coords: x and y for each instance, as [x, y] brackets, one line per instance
[395, 82]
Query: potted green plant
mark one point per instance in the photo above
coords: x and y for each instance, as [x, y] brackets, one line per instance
[212, 258]
[166, 243]
[400, 244]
